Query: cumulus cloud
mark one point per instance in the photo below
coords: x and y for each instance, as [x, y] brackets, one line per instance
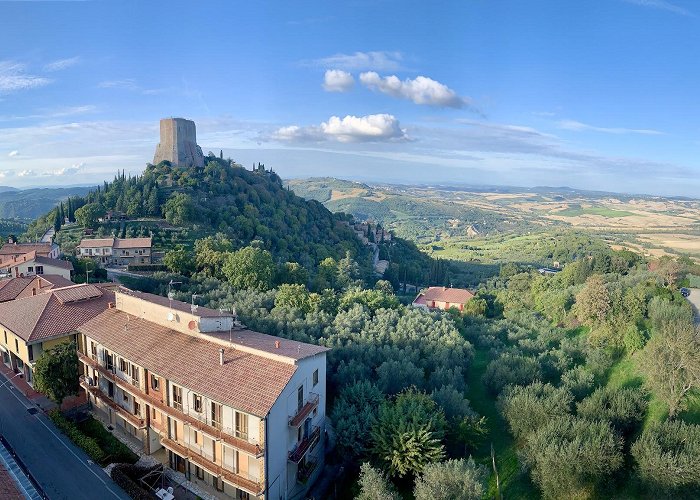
[12, 154]
[370, 128]
[337, 80]
[25, 173]
[376, 60]
[73, 169]
[576, 126]
[61, 64]
[421, 90]
[14, 77]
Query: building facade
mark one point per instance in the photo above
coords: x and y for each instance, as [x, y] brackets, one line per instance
[31, 264]
[50, 250]
[238, 412]
[440, 297]
[116, 251]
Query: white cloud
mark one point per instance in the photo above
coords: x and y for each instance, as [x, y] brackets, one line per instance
[43, 114]
[370, 128]
[421, 90]
[126, 84]
[25, 173]
[358, 61]
[576, 126]
[337, 80]
[12, 154]
[73, 169]
[61, 64]
[13, 77]
[662, 5]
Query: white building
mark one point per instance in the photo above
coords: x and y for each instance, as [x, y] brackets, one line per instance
[239, 412]
[31, 264]
[119, 251]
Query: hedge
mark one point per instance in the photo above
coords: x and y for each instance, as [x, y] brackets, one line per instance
[88, 444]
[146, 267]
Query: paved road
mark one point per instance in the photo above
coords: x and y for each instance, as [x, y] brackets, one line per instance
[61, 468]
[694, 299]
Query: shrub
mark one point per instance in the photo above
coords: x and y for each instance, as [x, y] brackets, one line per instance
[511, 369]
[579, 381]
[88, 444]
[453, 479]
[529, 407]
[374, 485]
[624, 408]
[667, 457]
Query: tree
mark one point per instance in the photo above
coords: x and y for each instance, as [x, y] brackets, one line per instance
[528, 408]
[511, 369]
[475, 307]
[593, 301]
[87, 215]
[56, 372]
[179, 260]
[667, 460]
[57, 221]
[179, 209]
[348, 271]
[451, 480]
[293, 297]
[570, 457]
[211, 253]
[354, 415]
[293, 273]
[374, 485]
[671, 362]
[409, 433]
[623, 407]
[250, 268]
[384, 286]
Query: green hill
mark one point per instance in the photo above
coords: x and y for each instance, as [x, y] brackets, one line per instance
[31, 203]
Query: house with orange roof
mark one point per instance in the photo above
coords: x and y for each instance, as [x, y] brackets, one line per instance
[33, 264]
[238, 412]
[116, 251]
[14, 249]
[440, 297]
[31, 325]
[28, 286]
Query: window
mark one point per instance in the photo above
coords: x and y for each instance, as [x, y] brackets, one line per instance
[40, 269]
[5, 336]
[134, 375]
[199, 472]
[109, 360]
[300, 397]
[126, 396]
[219, 485]
[137, 408]
[30, 350]
[216, 415]
[213, 451]
[16, 346]
[196, 437]
[30, 269]
[197, 400]
[93, 349]
[153, 413]
[315, 377]
[155, 383]
[299, 433]
[241, 425]
[123, 366]
[177, 397]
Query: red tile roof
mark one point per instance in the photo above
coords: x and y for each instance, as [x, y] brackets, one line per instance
[443, 294]
[96, 243]
[245, 381]
[8, 487]
[20, 248]
[56, 280]
[268, 343]
[54, 313]
[10, 288]
[133, 243]
[63, 264]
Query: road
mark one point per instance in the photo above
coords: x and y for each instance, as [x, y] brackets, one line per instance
[61, 468]
[694, 299]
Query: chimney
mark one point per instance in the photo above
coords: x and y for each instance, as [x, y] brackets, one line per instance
[111, 305]
[221, 357]
[277, 344]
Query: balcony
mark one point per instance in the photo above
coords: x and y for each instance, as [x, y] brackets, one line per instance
[305, 445]
[240, 480]
[200, 425]
[297, 419]
[134, 420]
[306, 470]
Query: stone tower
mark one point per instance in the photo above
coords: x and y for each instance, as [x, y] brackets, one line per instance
[178, 143]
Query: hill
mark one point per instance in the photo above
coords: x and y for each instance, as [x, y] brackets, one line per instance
[32, 203]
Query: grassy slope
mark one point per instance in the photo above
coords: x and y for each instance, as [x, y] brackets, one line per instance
[605, 212]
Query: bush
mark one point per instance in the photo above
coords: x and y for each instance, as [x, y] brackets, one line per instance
[511, 369]
[527, 408]
[667, 457]
[579, 381]
[123, 475]
[88, 444]
[624, 408]
[458, 479]
[116, 451]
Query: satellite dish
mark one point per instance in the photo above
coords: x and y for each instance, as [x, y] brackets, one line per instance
[192, 324]
[171, 316]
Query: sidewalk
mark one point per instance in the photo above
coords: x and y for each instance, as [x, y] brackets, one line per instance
[36, 398]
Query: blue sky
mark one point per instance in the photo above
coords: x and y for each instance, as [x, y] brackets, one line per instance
[601, 94]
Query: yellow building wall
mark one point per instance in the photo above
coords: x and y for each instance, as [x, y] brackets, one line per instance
[23, 352]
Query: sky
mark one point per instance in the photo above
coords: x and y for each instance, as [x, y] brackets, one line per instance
[601, 94]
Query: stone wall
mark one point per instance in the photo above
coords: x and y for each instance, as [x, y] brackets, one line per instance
[178, 143]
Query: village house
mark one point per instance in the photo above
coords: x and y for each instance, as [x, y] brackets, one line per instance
[440, 297]
[116, 251]
[31, 325]
[14, 249]
[28, 286]
[238, 412]
[32, 264]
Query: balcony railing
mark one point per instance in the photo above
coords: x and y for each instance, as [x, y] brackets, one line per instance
[241, 480]
[251, 448]
[306, 470]
[298, 418]
[305, 445]
[134, 420]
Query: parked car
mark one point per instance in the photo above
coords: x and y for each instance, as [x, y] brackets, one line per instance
[685, 292]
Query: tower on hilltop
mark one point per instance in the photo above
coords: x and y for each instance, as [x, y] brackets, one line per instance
[178, 143]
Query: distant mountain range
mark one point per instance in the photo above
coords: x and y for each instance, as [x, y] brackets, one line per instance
[31, 203]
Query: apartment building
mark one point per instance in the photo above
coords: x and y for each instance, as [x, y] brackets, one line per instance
[238, 412]
[31, 325]
[14, 249]
[116, 251]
